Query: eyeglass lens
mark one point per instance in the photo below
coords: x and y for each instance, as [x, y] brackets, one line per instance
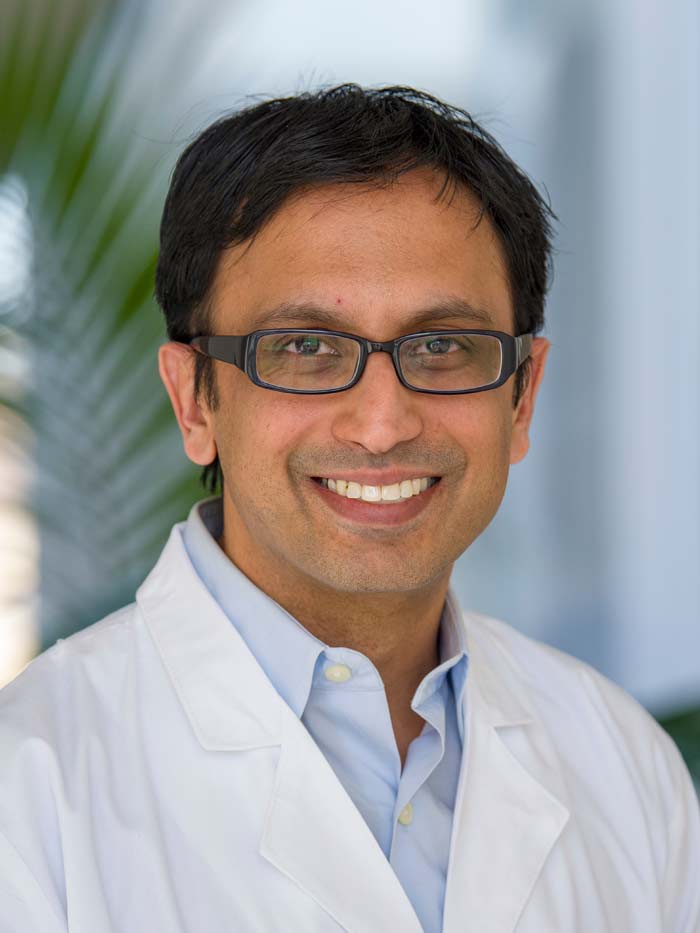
[440, 361]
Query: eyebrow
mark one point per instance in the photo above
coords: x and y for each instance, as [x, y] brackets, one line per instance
[291, 312]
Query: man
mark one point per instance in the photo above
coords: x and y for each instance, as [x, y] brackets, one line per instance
[295, 726]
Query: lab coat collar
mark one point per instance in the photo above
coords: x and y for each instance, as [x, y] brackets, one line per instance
[228, 699]
[506, 819]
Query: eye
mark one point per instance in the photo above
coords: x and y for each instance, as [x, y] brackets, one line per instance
[439, 346]
[304, 345]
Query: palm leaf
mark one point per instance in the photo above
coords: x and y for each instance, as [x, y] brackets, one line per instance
[684, 728]
[111, 475]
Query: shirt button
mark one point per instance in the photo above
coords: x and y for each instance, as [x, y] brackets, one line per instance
[338, 673]
[406, 815]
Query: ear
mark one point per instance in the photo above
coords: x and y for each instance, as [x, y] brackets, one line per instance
[523, 412]
[176, 366]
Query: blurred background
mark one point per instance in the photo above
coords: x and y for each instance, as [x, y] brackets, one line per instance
[596, 548]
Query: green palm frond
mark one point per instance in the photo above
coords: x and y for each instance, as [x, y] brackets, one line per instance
[111, 475]
[684, 729]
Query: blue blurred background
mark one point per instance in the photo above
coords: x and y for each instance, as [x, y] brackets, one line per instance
[596, 548]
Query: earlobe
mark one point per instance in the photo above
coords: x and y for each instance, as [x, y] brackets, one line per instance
[176, 367]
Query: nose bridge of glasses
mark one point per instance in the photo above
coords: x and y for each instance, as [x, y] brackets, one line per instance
[383, 346]
[386, 346]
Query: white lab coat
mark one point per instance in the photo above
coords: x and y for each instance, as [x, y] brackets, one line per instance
[153, 781]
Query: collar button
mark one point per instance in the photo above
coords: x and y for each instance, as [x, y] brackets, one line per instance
[406, 815]
[337, 673]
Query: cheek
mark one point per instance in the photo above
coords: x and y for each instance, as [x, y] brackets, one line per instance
[256, 435]
[481, 426]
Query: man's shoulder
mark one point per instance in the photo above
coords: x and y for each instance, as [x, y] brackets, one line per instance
[546, 676]
[72, 676]
[588, 717]
[105, 635]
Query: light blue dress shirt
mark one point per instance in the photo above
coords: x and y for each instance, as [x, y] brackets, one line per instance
[339, 697]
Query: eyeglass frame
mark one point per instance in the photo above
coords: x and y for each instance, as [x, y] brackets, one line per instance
[240, 350]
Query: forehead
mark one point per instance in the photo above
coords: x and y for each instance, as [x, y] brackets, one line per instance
[360, 257]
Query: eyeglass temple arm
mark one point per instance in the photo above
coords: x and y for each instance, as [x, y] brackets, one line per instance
[226, 349]
[523, 347]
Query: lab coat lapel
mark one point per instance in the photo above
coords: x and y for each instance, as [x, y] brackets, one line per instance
[506, 821]
[316, 836]
[313, 832]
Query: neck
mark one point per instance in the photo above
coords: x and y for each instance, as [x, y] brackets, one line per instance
[397, 631]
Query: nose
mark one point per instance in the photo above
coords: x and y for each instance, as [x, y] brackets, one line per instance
[378, 412]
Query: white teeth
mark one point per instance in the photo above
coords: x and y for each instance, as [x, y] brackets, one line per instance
[394, 492]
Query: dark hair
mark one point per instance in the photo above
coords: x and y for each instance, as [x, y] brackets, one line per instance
[239, 172]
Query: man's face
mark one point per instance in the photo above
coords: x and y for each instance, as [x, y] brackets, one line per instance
[373, 259]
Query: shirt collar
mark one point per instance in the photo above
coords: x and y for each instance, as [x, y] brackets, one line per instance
[290, 666]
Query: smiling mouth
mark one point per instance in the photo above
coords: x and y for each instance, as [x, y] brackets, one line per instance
[378, 495]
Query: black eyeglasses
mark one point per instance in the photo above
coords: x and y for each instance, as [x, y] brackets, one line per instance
[317, 362]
